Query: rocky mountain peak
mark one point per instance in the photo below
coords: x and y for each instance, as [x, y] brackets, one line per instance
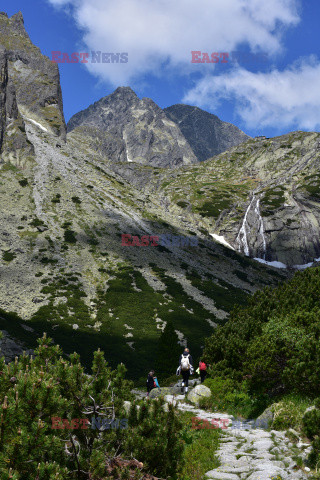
[34, 78]
[205, 132]
[124, 92]
[18, 17]
[131, 129]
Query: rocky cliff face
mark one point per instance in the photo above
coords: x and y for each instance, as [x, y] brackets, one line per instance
[33, 79]
[262, 197]
[14, 145]
[64, 267]
[206, 133]
[124, 128]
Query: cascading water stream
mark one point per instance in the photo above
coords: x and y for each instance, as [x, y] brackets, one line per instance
[261, 229]
[242, 238]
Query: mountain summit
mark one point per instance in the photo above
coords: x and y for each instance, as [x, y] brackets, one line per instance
[126, 128]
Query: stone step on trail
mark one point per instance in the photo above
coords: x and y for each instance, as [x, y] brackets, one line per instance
[246, 452]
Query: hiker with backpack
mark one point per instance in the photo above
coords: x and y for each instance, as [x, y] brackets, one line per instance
[203, 370]
[185, 368]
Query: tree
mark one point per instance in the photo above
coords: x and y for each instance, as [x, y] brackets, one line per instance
[168, 352]
[59, 423]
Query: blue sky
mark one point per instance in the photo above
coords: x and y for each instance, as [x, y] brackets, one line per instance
[269, 98]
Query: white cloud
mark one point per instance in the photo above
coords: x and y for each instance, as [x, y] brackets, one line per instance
[159, 35]
[288, 98]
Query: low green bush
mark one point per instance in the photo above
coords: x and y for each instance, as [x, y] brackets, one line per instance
[35, 390]
[273, 340]
[228, 395]
[8, 256]
[311, 423]
[69, 236]
[23, 182]
[199, 454]
[289, 411]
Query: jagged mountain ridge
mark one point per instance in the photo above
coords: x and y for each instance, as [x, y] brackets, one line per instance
[124, 128]
[263, 197]
[206, 133]
[65, 271]
[63, 268]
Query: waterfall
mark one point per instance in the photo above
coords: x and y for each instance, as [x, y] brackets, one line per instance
[261, 228]
[242, 238]
[124, 136]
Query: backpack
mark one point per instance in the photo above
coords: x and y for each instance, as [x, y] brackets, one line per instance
[185, 364]
[202, 366]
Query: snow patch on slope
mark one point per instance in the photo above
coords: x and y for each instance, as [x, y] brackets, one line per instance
[221, 239]
[37, 124]
[271, 264]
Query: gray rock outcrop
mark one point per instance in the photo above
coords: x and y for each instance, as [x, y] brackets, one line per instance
[35, 79]
[206, 133]
[125, 128]
[197, 393]
[14, 145]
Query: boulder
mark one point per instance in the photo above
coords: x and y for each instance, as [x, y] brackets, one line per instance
[265, 419]
[157, 392]
[198, 392]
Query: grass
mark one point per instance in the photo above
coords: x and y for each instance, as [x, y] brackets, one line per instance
[288, 412]
[36, 222]
[214, 208]
[312, 186]
[120, 304]
[199, 453]
[8, 256]
[272, 200]
[223, 293]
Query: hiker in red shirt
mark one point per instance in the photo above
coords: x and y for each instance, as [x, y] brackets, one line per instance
[203, 370]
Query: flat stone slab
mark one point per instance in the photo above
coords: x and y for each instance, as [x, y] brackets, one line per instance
[235, 469]
[263, 445]
[267, 465]
[245, 454]
[222, 475]
[268, 474]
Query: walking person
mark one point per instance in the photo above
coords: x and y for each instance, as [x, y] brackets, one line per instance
[150, 382]
[185, 368]
[203, 370]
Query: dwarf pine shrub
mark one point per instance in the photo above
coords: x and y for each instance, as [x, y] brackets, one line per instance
[46, 407]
